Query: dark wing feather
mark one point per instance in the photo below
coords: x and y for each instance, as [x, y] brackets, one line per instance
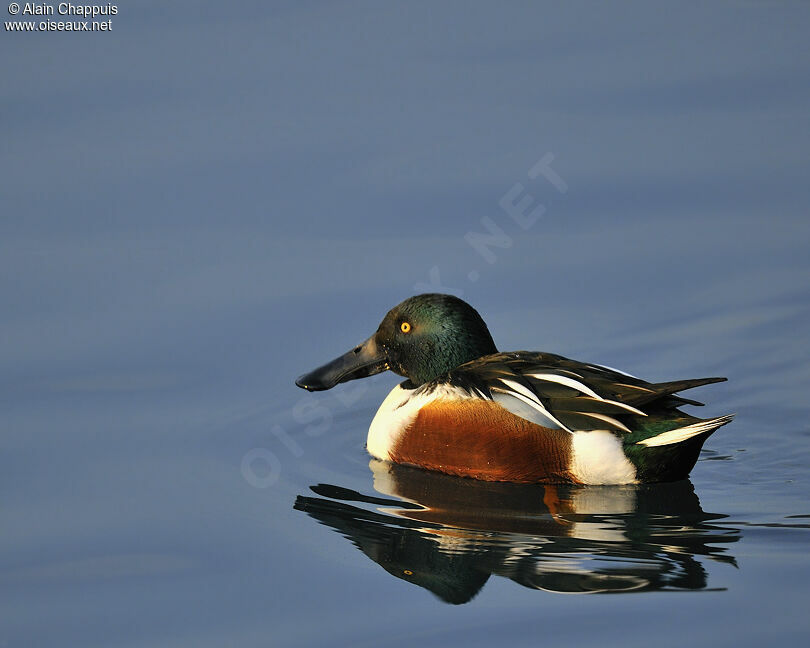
[580, 396]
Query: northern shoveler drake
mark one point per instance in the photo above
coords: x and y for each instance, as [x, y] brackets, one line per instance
[466, 409]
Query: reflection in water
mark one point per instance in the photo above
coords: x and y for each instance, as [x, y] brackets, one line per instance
[449, 534]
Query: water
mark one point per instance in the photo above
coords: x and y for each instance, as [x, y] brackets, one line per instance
[197, 207]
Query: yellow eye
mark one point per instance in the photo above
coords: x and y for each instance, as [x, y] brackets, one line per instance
[407, 572]
[405, 327]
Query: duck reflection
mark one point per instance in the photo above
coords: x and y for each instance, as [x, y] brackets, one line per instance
[450, 534]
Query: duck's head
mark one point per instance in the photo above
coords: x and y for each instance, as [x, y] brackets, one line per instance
[421, 338]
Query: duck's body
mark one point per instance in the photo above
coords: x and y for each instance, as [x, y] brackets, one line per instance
[523, 417]
[536, 417]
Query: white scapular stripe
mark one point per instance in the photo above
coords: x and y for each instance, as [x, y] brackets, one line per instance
[568, 382]
[479, 393]
[686, 432]
[519, 391]
[618, 371]
[629, 408]
[540, 409]
[525, 410]
[607, 419]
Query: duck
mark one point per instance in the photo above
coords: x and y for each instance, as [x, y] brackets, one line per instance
[468, 410]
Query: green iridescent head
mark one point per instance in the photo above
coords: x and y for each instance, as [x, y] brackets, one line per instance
[422, 338]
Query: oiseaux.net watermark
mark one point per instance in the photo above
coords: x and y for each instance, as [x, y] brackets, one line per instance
[60, 17]
[520, 210]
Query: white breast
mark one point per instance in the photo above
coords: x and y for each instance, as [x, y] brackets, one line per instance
[397, 411]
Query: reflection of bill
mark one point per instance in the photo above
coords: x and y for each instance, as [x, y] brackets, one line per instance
[449, 534]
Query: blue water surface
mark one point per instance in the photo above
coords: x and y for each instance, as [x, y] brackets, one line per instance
[207, 201]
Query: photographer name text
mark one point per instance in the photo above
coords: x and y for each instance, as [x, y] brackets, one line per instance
[67, 10]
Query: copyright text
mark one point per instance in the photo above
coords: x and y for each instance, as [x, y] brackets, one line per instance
[68, 10]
